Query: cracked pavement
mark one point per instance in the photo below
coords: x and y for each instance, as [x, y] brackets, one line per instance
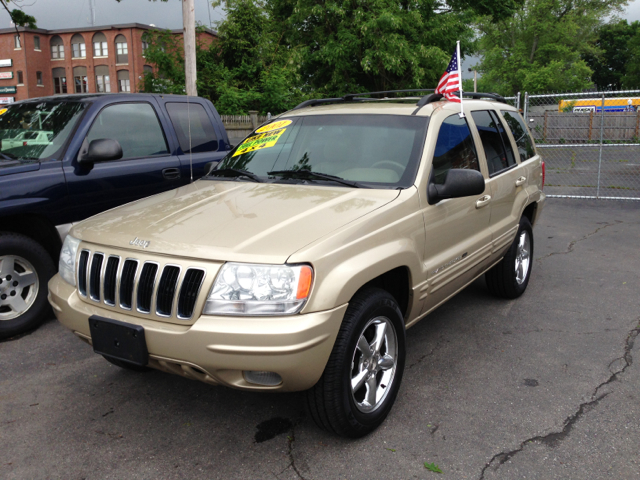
[543, 387]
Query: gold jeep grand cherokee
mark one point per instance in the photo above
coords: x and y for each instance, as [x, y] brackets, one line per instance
[299, 262]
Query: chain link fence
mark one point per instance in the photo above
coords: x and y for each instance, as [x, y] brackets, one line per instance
[590, 142]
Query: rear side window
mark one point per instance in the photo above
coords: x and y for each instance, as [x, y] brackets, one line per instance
[134, 125]
[496, 144]
[454, 148]
[193, 126]
[520, 133]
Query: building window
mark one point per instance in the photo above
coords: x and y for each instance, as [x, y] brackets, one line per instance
[123, 81]
[36, 42]
[20, 78]
[102, 79]
[59, 81]
[100, 45]
[145, 45]
[57, 48]
[80, 79]
[78, 48]
[16, 41]
[122, 52]
[39, 78]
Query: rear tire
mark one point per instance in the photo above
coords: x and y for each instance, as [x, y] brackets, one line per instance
[362, 377]
[25, 270]
[126, 365]
[510, 277]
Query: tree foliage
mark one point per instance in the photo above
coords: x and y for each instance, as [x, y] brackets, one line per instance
[609, 60]
[542, 47]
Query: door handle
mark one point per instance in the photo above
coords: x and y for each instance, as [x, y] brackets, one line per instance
[482, 201]
[171, 173]
[521, 181]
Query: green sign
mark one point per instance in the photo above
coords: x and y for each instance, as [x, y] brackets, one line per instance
[7, 89]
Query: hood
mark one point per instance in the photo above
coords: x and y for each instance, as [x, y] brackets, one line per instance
[232, 221]
[8, 167]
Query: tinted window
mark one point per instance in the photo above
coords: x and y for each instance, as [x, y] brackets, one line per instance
[194, 129]
[379, 149]
[520, 134]
[498, 158]
[134, 125]
[454, 148]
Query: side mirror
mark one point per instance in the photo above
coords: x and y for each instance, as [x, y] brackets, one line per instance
[210, 167]
[101, 150]
[459, 182]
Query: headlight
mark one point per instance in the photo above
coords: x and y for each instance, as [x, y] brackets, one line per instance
[248, 289]
[67, 263]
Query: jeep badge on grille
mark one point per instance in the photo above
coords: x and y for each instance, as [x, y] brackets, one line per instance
[139, 243]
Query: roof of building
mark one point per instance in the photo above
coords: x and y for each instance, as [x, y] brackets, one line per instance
[119, 26]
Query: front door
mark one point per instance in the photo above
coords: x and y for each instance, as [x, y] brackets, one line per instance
[458, 237]
[146, 167]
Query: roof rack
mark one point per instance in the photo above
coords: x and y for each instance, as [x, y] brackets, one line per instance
[435, 97]
[350, 97]
[427, 99]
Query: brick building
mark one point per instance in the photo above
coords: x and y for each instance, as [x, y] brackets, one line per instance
[77, 60]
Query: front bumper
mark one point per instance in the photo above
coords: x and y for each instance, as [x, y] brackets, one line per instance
[218, 349]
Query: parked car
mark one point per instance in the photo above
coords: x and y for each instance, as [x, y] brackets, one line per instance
[29, 137]
[301, 260]
[66, 158]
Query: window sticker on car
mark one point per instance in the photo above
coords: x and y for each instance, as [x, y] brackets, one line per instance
[257, 142]
[274, 126]
[3, 111]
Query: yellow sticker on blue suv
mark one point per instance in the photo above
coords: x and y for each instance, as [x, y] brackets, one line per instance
[258, 142]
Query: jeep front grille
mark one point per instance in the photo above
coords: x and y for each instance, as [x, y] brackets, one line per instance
[161, 289]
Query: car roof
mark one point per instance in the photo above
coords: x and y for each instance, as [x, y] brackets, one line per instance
[106, 97]
[395, 107]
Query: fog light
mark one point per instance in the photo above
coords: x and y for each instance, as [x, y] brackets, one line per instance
[270, 379]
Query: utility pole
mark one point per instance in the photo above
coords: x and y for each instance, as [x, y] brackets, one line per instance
[189, 29]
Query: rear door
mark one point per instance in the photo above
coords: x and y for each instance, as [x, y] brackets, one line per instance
[146, 167]
[506, 182]
[198, 139]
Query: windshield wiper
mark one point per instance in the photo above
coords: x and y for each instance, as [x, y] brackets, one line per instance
[234, 172]
[309, 175]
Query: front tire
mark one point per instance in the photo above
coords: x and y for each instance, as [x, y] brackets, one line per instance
[362, 377]
[25, 270]
[510, 277]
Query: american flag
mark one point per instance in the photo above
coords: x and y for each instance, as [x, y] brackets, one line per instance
[450, 80]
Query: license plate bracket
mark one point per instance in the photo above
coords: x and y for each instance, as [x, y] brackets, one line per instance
[119, 340]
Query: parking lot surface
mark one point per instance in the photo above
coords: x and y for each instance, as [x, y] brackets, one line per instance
[541, 387]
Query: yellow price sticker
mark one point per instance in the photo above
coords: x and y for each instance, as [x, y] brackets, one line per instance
[3, 111]
[258, 142]
[274, 126]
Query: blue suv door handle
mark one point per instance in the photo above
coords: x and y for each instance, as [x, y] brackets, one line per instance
[171, 173]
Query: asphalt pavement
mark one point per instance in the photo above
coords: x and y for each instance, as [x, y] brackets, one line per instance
[543, 387]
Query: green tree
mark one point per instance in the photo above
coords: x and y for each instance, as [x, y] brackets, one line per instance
[631, 78]
[351, 45]
[612, 56]
[541, 48]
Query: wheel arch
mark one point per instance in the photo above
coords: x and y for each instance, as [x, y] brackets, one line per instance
[37, 228]
[530, 212]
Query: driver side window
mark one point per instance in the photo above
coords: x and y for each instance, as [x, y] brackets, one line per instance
[134, 125]
[454, 148]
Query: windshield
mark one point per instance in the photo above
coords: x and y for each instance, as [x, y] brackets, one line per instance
[33, 131]
[382, 150]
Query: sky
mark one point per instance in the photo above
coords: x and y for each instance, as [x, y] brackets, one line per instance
[52, 14]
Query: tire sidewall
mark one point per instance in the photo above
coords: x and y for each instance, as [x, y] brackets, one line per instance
[525, 225]
[34, 253]
[378, 306]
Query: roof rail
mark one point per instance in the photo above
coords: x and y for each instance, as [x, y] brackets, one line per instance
[353, 96]
[427, 99]
[434, 97]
